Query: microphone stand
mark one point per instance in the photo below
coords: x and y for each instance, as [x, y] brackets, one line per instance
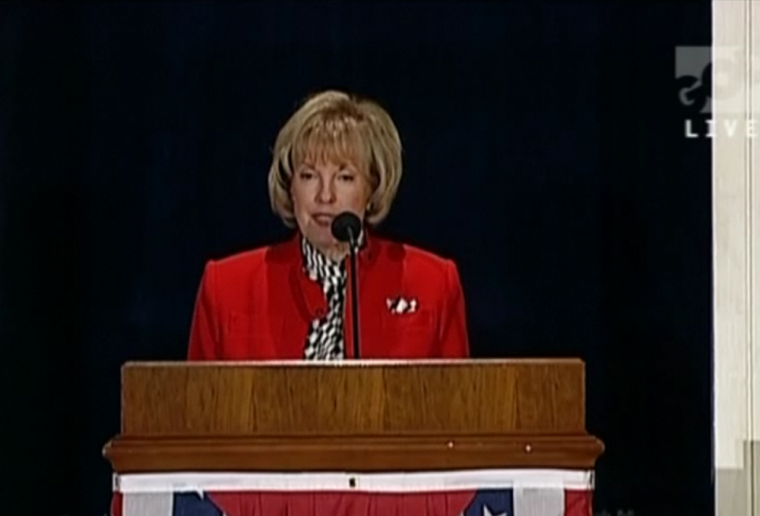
[353, 244]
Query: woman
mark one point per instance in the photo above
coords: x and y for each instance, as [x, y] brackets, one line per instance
[290, 300]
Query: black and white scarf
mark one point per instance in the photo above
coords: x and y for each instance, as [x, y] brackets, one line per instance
[325, 339]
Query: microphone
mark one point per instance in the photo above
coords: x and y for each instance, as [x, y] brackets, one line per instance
[346, 227]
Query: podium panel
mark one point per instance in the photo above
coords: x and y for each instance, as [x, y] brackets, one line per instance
[354, 438]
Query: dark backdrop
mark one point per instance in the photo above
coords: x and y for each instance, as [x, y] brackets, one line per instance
[544, 151]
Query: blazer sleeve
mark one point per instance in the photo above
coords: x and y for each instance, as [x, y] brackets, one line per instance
[454, 339]
[204, 329]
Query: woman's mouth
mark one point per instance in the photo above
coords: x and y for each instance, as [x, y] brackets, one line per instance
[323, 219]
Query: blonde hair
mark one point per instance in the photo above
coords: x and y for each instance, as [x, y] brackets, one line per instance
[335, 126]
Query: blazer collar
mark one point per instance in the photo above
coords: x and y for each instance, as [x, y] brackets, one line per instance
[307, 293]
[367, 253]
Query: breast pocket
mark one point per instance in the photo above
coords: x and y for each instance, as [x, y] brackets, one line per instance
[413, 335]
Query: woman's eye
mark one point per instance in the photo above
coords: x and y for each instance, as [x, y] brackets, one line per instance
[306, 175]
[346, 177]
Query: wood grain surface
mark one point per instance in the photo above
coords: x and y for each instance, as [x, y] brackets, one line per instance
[426, 398]
[359, 416]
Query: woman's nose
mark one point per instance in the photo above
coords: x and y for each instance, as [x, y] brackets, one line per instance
[326, 193]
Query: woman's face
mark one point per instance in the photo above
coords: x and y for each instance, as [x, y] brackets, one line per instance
[320, 192]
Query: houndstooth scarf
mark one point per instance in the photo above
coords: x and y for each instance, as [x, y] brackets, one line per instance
[325, 339]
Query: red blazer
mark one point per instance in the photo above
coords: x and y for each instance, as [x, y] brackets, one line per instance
[258, 305]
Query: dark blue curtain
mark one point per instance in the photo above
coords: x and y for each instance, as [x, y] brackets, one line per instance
[544, 151]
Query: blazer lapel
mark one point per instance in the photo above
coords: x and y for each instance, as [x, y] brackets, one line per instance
[378, 276]
[307, 294]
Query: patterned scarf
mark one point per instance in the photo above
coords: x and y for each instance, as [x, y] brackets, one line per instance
[325, 339]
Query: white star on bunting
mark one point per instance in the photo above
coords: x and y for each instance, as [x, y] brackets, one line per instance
[487, 512]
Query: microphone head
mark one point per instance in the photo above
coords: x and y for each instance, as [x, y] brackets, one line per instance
[346, 227]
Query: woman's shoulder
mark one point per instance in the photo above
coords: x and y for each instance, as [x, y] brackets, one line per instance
[418, 269]
[252, 260]
[415, 258]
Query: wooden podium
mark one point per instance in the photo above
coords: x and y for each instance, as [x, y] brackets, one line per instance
[358, 416]
[353, 416]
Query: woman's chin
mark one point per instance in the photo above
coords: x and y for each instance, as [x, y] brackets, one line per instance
[321, 239]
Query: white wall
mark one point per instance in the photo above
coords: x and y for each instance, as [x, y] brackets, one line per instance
[736, 255]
